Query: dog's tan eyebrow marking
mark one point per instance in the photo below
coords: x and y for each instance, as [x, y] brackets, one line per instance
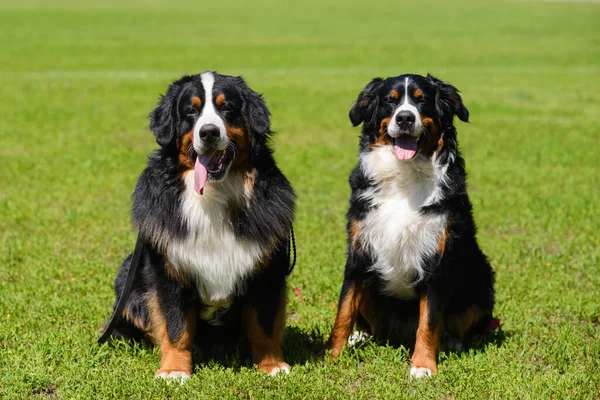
[394, 94]
[418, 93]
[196, 101]
[220, 99]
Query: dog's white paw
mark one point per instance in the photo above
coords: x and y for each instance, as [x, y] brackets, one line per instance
[420, 372]
[173, 376]
[276, 370]
[357, 337]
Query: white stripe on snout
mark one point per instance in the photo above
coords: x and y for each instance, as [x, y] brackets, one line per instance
[393, 128]
[209, 115]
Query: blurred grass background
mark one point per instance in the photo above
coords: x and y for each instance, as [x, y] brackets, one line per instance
[78, 78]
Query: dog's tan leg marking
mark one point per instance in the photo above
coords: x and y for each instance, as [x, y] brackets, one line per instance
[176, 357]
[345, 320]
[424, 360]
[266, 351]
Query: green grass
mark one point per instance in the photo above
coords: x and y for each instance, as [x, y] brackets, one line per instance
[78, 79]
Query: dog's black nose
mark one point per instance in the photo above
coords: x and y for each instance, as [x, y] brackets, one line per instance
[209, 131]
[405, 119]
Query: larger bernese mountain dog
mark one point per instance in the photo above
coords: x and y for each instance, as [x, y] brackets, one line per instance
[215, 214]
[414, 270]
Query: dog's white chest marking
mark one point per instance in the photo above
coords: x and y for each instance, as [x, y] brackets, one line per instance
[398, 235]
[212, 254]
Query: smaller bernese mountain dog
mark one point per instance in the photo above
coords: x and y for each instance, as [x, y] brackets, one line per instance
[215, 215]
[414, 268]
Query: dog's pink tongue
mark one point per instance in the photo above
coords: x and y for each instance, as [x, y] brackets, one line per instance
[405, 147]
[200, 173]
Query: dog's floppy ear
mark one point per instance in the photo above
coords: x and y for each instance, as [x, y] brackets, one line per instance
[164, 118]
[366, 105]
[448, 101]
[254, 109]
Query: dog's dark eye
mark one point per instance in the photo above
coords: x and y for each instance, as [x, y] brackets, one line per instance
[225, 108]
[391, 101]
[193, 112]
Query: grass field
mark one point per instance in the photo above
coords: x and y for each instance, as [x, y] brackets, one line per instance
[77, 80]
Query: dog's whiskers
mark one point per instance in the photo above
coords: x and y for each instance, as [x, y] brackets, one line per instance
[232, 145]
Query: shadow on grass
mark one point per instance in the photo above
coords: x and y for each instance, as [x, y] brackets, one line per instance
[299, 347]
[363, 350]
[493, 338]
[302, 346]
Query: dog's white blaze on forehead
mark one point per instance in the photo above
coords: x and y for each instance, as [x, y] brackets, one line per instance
[394, 129]
[209, 114]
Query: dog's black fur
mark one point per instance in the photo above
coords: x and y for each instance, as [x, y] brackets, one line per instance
[264, 218]
[458, 280]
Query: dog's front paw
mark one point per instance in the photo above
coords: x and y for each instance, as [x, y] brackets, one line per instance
[421, 372]
[182, 376]
[275, 368]
[357, 337]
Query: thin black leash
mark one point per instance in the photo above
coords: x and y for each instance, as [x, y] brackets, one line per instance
[133, 267]
[288, 251]
[116, 317]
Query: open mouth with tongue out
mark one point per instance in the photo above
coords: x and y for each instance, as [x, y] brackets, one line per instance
[405, 147]
[211, 166]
